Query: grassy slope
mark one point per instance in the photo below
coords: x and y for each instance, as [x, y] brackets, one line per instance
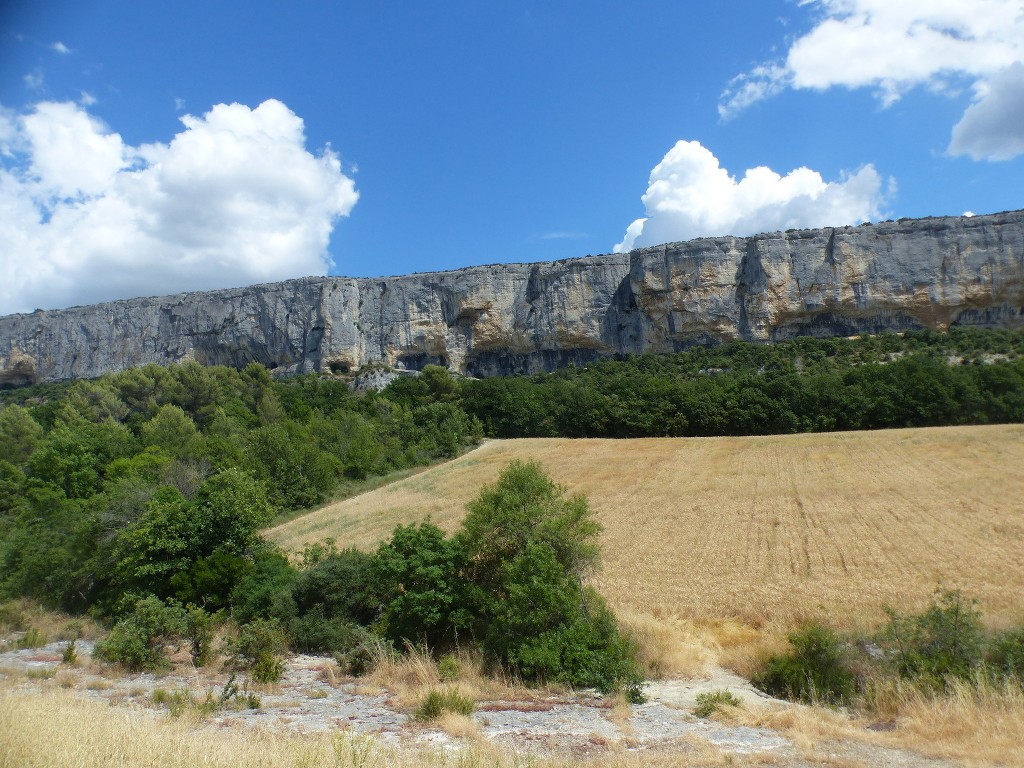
[766, 529]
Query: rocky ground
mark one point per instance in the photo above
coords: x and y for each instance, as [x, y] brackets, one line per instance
[311, 698]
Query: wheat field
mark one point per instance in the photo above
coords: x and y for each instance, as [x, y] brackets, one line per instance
[762, 529]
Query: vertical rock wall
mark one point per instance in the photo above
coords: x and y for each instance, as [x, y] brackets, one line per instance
[925, 273]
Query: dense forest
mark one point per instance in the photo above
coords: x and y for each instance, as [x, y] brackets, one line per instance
[139, 497]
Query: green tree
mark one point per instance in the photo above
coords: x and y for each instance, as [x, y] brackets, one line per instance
[20, 434]
[526, 507]
[426, 596]
[170, 430]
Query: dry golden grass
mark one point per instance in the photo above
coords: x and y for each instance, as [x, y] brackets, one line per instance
[409, 678]
[972, 724]
[766, 530]
[55, 728]
[21, 615]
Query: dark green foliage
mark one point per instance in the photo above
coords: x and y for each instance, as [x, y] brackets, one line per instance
[20, 434]
[139, 640]
[426, 596]
[440, 701]
[815, 670]
[801, 385]
[44, 553]
[946, 640]
[200, 626]
[528, 548]
[317, 633]
[1004, 655]
[340, 584]
[265, 591]
[288, 460]
[210, 580]
[259, 648]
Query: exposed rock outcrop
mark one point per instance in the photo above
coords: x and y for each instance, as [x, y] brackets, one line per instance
[923, 273]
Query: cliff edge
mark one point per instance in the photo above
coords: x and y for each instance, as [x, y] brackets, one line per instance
[515, 318]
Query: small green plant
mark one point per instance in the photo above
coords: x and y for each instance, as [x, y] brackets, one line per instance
[200, 627]
[32, 638]
[1004, 656]
[713, 701]
[814, 670]
[139, 641]
[180, 701]
[946, 640]
[232, 694]
[449, 668]
[70, 655]
[259, 649]
[439, 701]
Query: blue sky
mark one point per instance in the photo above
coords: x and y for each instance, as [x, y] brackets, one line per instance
[375, 139]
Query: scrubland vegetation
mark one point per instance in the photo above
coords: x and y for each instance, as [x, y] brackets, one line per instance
[170, 506]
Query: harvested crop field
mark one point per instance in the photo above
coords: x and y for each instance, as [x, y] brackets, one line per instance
[764, 529]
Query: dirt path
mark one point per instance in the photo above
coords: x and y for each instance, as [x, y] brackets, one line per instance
[582, 724]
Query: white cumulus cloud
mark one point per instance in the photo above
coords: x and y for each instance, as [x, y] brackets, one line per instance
[892, 46]
[234, 198]
[690, 195]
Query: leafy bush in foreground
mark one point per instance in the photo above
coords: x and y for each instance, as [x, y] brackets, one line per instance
[139, 641]
[946, 640]
[814, 670]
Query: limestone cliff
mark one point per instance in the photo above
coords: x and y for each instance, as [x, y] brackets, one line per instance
[922, 273]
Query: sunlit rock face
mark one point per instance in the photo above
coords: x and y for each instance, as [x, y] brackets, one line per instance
[519, 318]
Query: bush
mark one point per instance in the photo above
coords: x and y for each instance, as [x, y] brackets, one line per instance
[448, 668]
[319, 634]
[339, 584]
[427, 597]
[713, 701]
[200, 626]
[139, 641]
[441, 701]
[946, 640]
[814, 670]
[1005, 654]
[258, 649]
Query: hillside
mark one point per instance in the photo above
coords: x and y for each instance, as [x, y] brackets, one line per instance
[761, 528]
[930, 274]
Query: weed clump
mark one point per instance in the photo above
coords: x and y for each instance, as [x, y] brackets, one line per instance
[440, 701]
[713, 702]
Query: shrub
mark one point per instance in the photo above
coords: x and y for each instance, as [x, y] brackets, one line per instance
[319, 634]
[70, 655]
[1005, 654]
[438, 702]
[946, 640]
[338, 584]
[258, 649]
[448, 667]
[33, 638]
[200, 627]
[427, 597]
[713, 701]
[814, 670]
[139, 640]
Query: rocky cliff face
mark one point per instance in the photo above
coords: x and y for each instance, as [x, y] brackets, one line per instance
[924, 273]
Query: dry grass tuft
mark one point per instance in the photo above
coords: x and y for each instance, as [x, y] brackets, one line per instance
[459, 726]
[23, 615]
[981, 721]
[410, 677]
